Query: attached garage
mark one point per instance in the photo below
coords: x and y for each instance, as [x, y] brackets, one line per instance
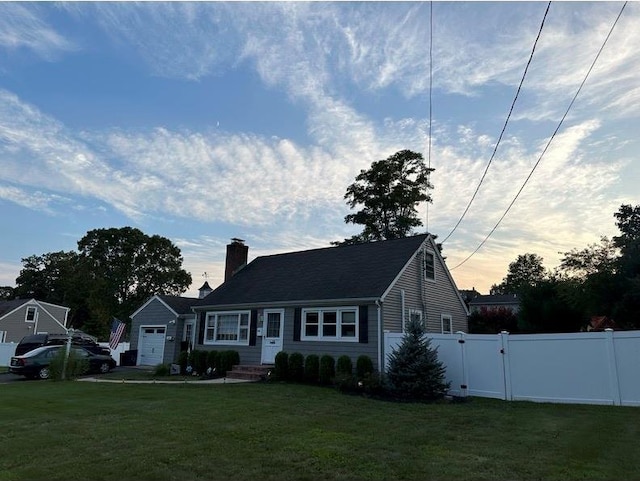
[151, 345]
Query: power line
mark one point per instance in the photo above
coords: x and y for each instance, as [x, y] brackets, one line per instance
[550, 139]
[504, 127]
[430, 100]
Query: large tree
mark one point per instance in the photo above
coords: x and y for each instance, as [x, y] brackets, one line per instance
[526, 271]
[132, 266]
[387, 195]
[114, 271]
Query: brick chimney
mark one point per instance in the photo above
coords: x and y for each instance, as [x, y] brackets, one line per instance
[236, 257]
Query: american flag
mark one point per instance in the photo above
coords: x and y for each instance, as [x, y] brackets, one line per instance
[117, 329]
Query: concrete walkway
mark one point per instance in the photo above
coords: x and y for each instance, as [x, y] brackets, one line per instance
[222, 380]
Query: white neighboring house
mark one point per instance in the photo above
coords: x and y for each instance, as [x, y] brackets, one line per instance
[23, 317]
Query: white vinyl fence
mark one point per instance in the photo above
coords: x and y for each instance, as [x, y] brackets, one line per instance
[7, 349]
[583, 368]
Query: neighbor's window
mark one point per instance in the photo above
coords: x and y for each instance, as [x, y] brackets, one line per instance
[330, 324]
[447, 324]
[429, 266]
[31, 314]
[3, 336]
[227, 328]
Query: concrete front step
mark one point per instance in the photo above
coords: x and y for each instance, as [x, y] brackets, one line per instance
[250, 373]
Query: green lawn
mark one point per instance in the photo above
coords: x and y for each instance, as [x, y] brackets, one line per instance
[79, 430]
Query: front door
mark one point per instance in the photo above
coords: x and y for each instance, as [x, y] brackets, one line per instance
[272, 327]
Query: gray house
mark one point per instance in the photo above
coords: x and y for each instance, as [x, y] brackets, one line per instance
[161, 328]
[22, 317]
[336, 300]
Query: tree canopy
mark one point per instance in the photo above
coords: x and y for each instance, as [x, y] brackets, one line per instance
[113, 272]
[526, 271]
[388, 194]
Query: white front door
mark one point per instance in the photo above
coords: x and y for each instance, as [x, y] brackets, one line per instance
[273, 324]
[151, 346]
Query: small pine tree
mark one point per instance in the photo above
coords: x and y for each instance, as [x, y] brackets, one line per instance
[414, 370]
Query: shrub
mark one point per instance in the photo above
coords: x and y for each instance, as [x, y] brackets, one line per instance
[226, 361]
[183, 360]
[75, 365]
[344, 366]
[414, 370]
[327, 369]
[162, 370]
[201, 362]
[212, 360]
[296, 367]
[281, 367]
[364, 366]
[312, 368]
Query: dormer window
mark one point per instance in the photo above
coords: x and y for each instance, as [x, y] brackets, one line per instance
[31, 314]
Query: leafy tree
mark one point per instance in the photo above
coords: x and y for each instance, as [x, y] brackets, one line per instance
[129, 267]
[526, 271]
[492, 321]
[414, 369]
[388, 194]
[6, 293]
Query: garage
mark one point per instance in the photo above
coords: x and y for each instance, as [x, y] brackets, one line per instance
[151, 345]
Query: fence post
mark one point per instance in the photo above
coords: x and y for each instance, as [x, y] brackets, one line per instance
[614, 384]
[506, 366]
[464, 387]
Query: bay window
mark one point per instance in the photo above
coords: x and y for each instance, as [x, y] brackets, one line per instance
[227, 328]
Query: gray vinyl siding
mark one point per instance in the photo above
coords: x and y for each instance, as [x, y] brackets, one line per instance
[15, 326]
[335, 349]
[438, 297]
[58, 312]
[157, 314]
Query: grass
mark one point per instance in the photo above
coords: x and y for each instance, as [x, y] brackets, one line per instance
[100, 431]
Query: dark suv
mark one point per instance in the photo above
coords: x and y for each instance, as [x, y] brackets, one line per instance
[29, 343]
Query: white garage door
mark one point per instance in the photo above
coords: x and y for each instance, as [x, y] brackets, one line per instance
[151, 346]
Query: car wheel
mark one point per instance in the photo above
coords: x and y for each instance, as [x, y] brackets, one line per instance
[105, 368]
[44, 373]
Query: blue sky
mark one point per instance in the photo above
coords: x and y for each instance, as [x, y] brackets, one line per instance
[206, 121]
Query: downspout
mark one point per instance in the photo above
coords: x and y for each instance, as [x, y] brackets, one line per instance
[423, 287]
[380, 366]
[403, 311]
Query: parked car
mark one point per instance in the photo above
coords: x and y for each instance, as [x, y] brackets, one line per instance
[78, 338]
[35, 363]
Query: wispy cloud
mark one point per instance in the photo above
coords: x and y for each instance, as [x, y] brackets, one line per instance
[23, 27]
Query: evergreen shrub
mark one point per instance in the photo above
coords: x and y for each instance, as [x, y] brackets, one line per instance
[312, 368]
[327, 369]
[296, 367]
[364, 366]
[281, 368]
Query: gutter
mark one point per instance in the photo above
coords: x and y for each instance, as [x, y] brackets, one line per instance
[379, 306]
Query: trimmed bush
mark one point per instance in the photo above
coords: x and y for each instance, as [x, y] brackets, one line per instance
[312, 368]
[212, 359]
[183, 360]
[344, 366]
[281, 369]
[364, 366]
[327, 369]
[296, 367]
[226, 361]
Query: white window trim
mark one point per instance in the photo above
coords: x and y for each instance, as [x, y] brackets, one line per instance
[424, 265]
[442, 318]
[338, 337]
[408, 318]
[35, 314]
[3, 336]
[192, 341]
[239, 342]
[265, 313]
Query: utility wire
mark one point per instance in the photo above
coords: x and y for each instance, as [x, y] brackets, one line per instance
[550, 139]
[430, 99]
[504, 127]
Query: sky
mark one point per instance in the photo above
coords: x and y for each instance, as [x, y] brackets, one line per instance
[201, 122]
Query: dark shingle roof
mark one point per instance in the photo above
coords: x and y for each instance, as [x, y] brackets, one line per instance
[344, 272]
[495, 299]
[182, 305]
[8, 306]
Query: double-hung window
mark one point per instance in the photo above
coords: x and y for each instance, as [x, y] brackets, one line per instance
[447, 324]
[31, 314]
[429, 265]
[227, 328]
[330, 324]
